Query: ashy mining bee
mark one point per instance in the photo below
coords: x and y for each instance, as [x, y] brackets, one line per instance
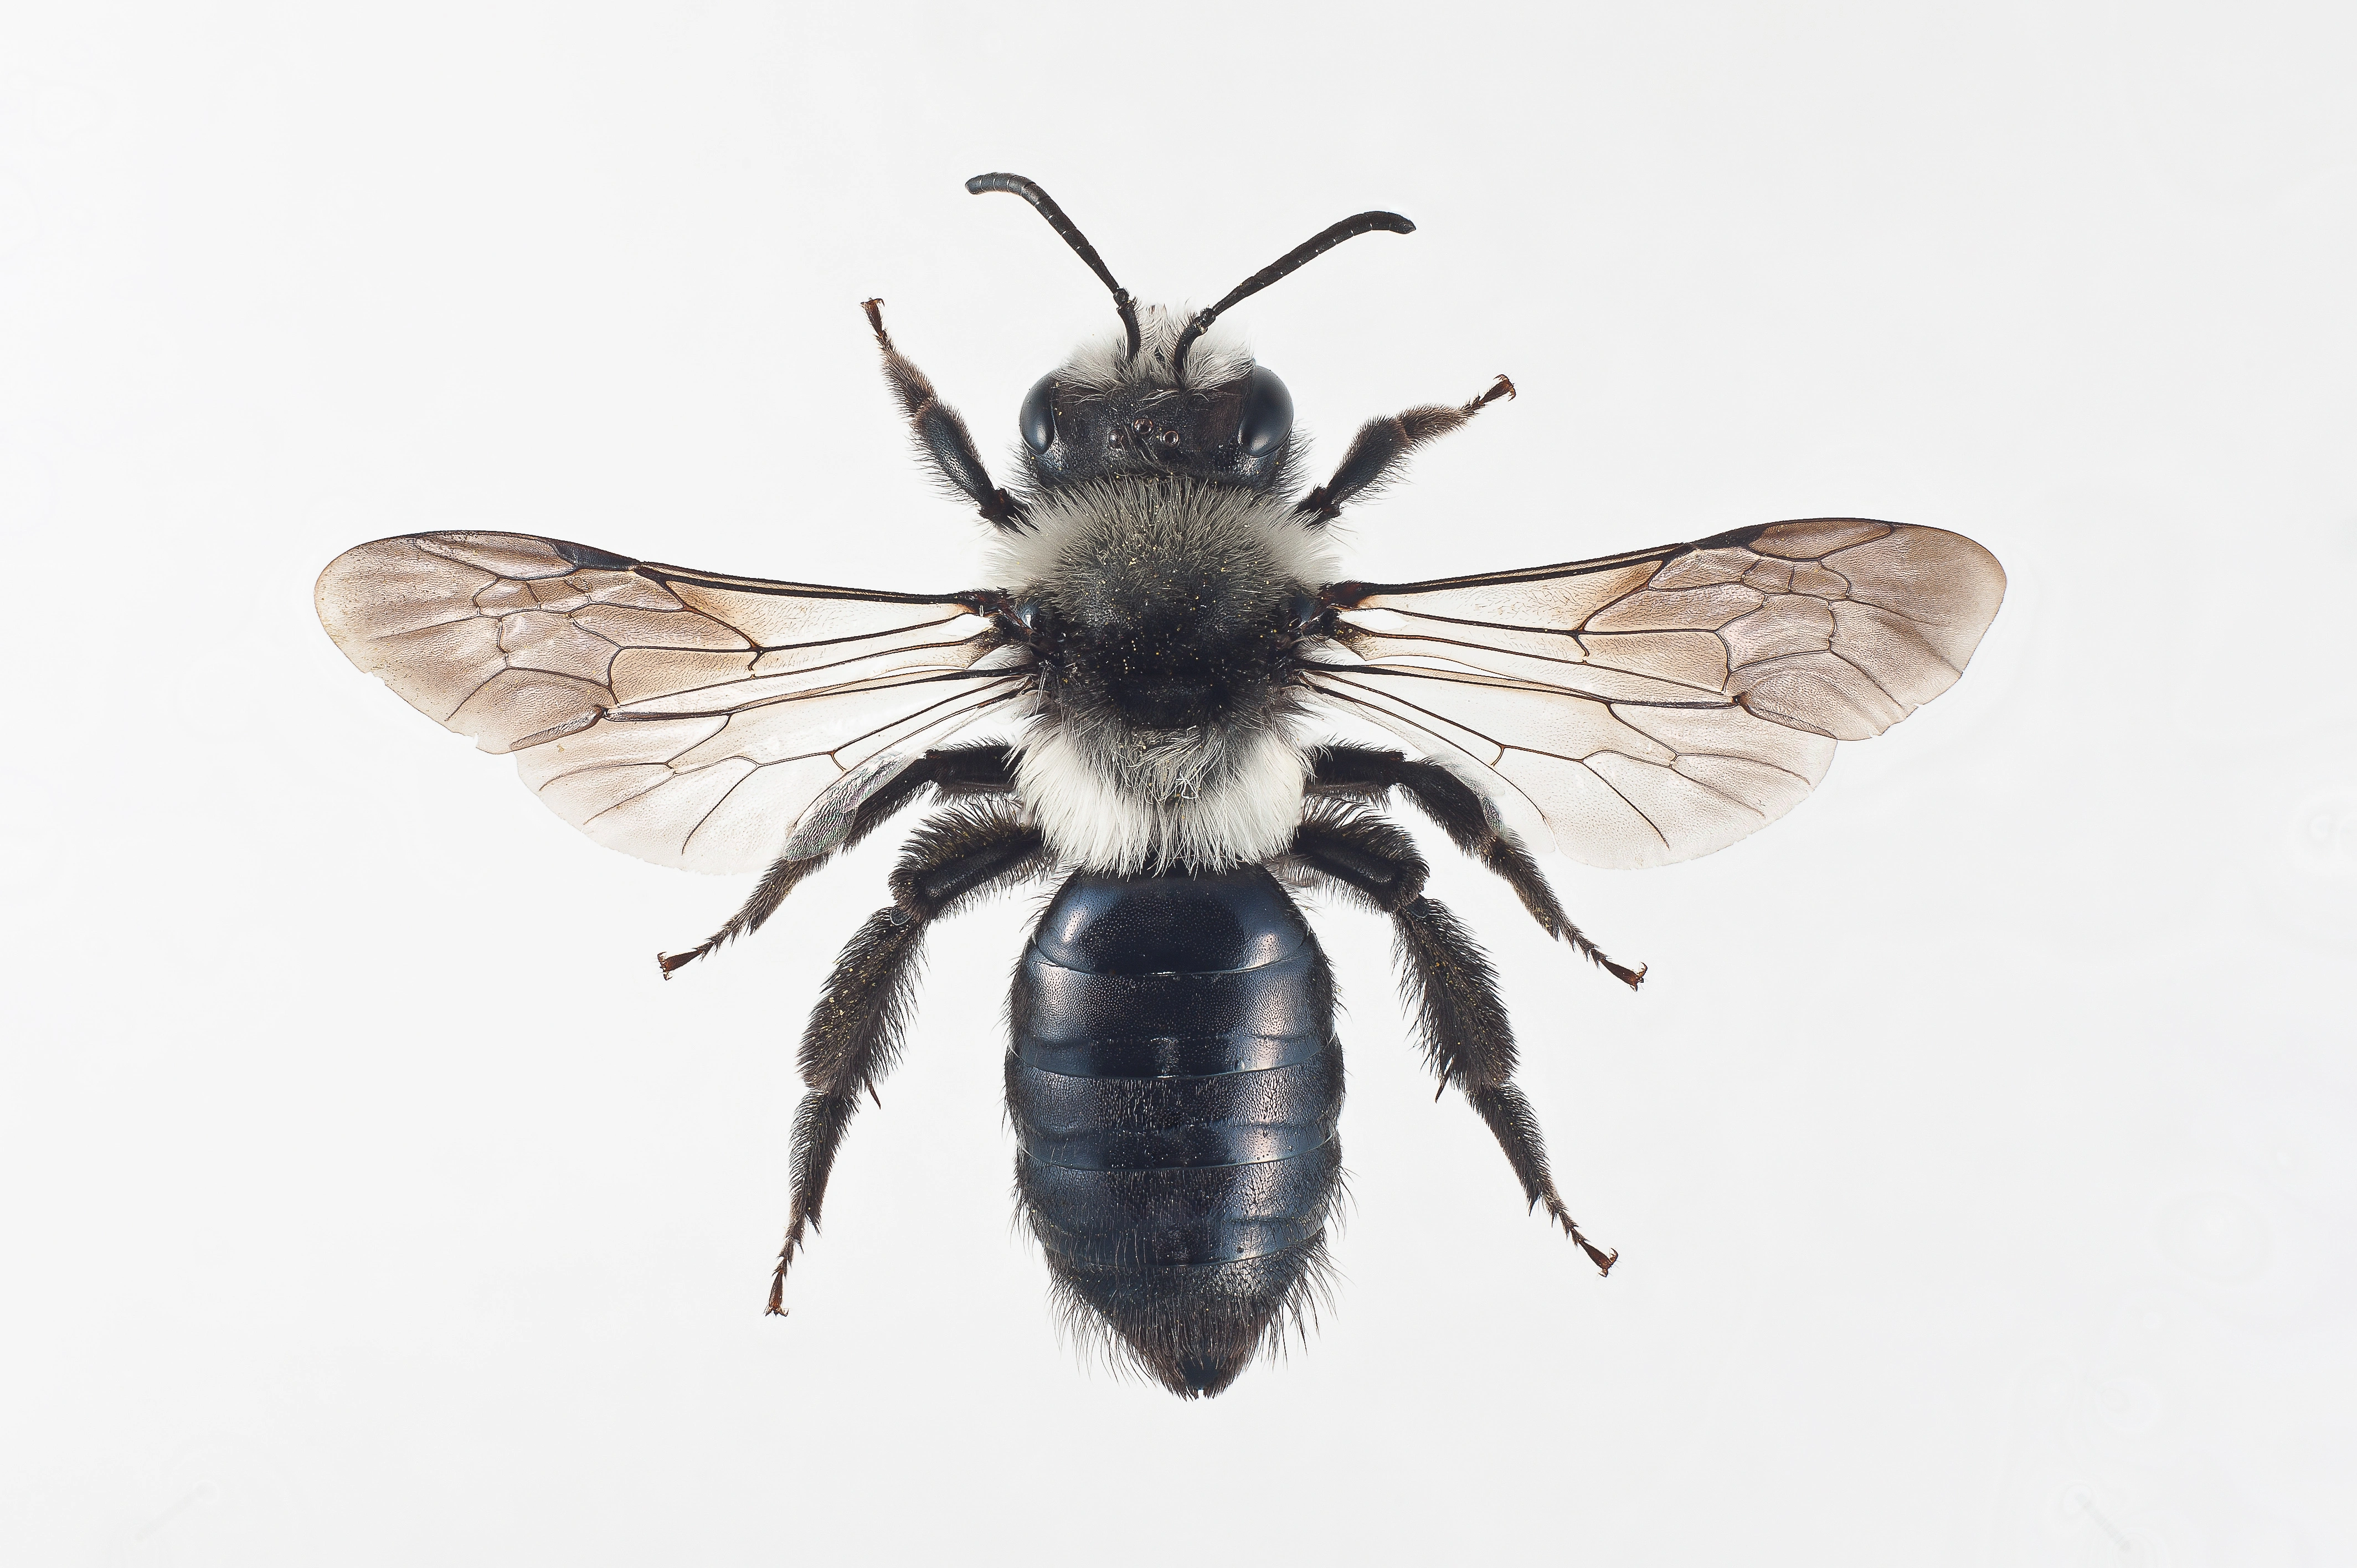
[1165, 629]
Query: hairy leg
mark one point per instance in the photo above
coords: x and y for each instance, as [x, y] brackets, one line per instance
[1456, 809]
[943, 440]
[1460, 1019]
[855, 1032]
[958, 770]
[1381, 446]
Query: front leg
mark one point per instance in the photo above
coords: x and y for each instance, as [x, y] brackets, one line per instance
[943, 442]
[1383, 445]
[854, 1034]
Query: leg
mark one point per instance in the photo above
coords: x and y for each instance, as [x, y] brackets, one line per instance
[854, 1034]
[1455, 808]
[959, 770]
[1459, 1016]
[1382, 445]
[943, 440]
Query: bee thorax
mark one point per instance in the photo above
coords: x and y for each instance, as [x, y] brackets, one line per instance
[1159, 613]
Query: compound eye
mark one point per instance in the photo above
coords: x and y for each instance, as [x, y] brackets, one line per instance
[1038, 415]
[1268, 414]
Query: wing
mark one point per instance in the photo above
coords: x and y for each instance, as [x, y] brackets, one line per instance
[1654, 707]
[686, 718]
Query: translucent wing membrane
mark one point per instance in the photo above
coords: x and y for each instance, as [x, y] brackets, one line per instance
[687, 718]
[1654, 707]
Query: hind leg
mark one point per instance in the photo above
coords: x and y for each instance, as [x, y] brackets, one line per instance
[1461, 1018]
[854, 1034]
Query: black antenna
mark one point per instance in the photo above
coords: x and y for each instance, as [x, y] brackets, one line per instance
[1308, 250]
[1016, 185]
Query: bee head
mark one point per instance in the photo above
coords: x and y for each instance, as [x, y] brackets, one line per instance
[1112, 411]
[1165, 398]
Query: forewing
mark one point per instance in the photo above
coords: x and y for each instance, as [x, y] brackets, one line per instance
[681, 716]
[1655, 706]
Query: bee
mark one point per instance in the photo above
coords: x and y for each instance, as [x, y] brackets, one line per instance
[1166, 630]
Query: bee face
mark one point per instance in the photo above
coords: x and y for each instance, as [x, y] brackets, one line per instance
[1109, 413]
[1238, 433]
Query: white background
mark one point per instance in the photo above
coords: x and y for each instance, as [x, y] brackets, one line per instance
[1979, 1151]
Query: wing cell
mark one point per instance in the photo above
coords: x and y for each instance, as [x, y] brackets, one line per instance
[1654, 707]
[681, 716]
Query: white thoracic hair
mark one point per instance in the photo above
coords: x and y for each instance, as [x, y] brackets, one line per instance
[1204, 799]
[1105, 363]
[1093, 819]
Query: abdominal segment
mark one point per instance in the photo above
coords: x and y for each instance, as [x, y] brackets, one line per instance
[1175, 1084]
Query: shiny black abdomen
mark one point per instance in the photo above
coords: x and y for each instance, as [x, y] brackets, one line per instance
[1175, 1084]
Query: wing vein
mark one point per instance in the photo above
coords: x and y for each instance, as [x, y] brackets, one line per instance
[1528, 798]
[1536, 687]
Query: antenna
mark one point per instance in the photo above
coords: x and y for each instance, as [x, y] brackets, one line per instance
[1308, 250]
[1016, 185]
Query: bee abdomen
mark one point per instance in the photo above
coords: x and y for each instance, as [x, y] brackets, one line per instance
[1175, 1086]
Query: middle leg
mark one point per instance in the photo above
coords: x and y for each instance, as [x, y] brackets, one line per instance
[1461, 1018]
[1362, 772]
[957, 770]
